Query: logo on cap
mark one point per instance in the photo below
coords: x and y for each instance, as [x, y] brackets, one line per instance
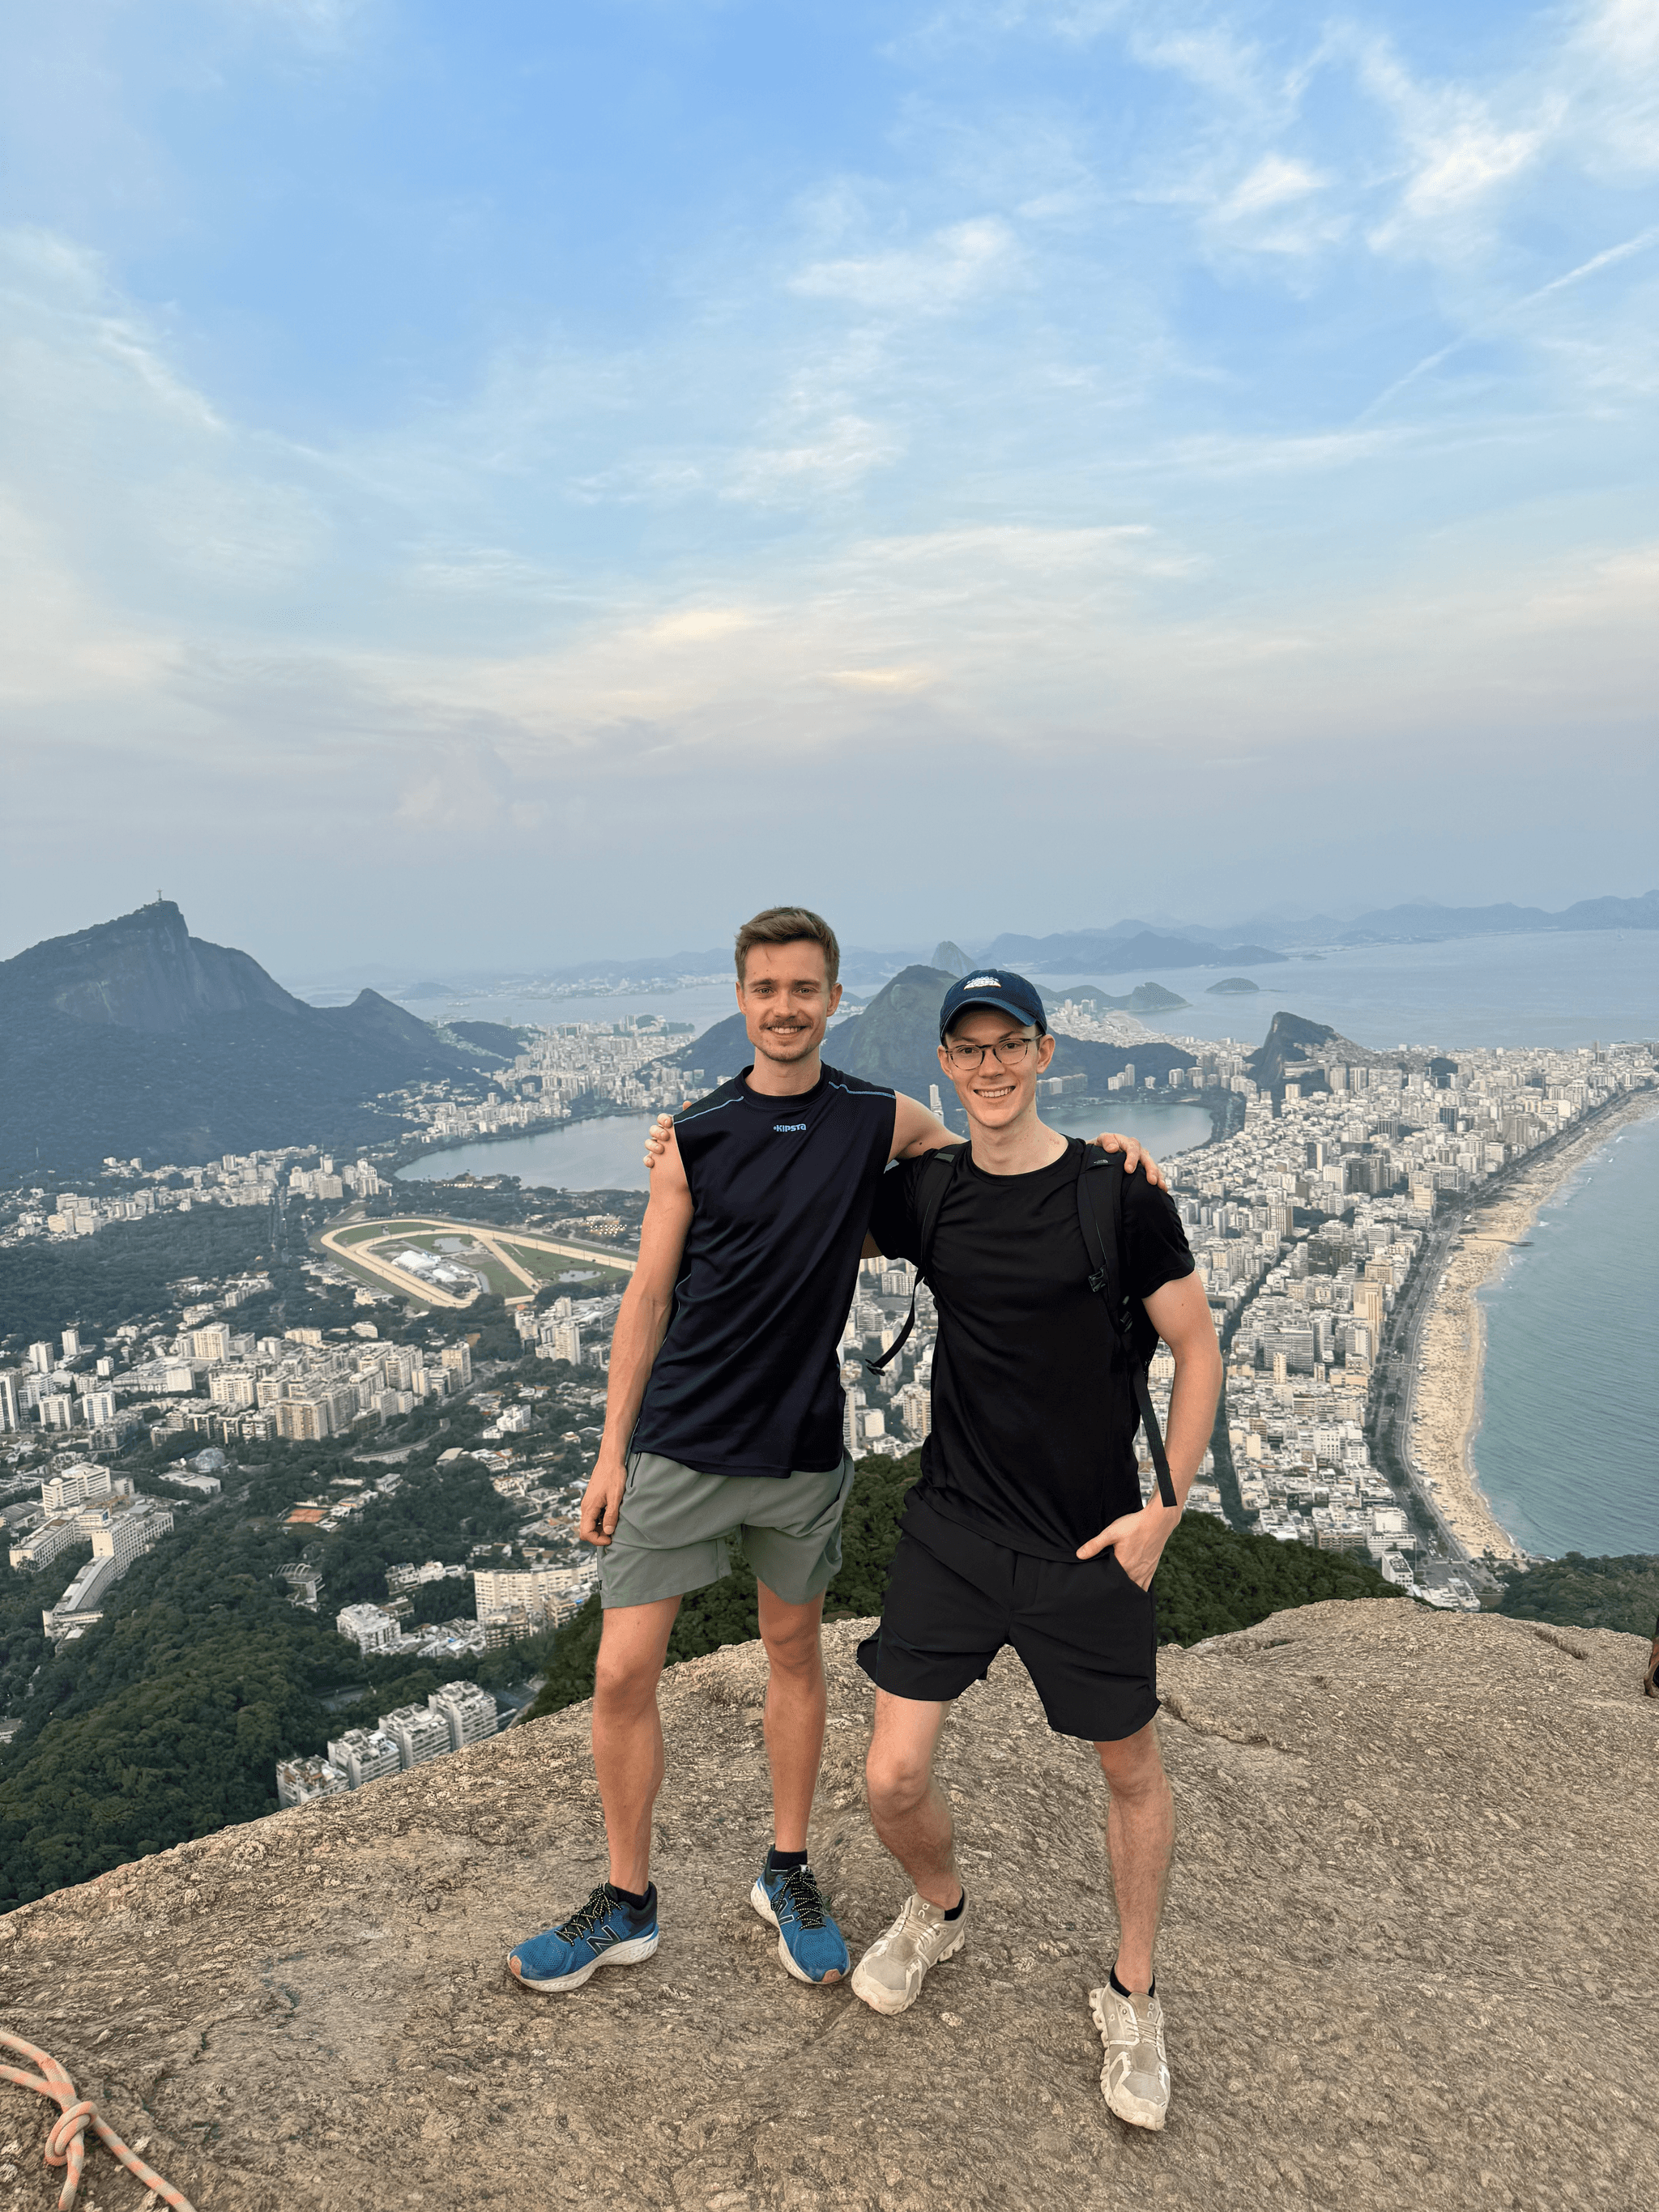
[980, 983]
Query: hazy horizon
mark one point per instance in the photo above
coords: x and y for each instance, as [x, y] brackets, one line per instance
[513, 487]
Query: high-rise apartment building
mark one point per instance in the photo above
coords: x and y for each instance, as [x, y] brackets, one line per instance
[458, 1359]
[302, 1420]
[468, 1712]
[564, 1341]
[419, 1733]
[82, 1479]
[363, 1755]
[125, 1528]
[521, 1600]
[298, 1780]
[915, 1411]
[367, 1627]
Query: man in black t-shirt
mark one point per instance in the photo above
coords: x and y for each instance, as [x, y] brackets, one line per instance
[1027, 1527]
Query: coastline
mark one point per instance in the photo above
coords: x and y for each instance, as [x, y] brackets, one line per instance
[1447, 1402]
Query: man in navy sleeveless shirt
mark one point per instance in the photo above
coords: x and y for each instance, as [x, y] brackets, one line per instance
[724, 1419]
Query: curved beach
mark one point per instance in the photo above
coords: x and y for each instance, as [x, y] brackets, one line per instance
[1446, 1402]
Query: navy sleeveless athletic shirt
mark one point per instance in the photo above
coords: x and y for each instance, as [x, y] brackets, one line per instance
[747, 1381]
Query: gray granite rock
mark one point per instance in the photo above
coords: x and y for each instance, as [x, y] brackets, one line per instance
[1410, 1961]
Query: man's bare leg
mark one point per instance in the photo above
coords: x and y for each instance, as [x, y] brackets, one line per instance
[913, 1820]
[796, 1704]
[907, 1809]
[1140, 1838]
[786, 1893]
[628, 1753]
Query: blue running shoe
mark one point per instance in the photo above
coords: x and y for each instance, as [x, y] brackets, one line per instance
[810, 1944]
[608, 1931]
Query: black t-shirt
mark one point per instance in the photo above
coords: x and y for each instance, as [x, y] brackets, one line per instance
[1033, 1410]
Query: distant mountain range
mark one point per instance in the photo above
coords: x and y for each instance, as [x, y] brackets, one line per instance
[1165, 942]
[1133, 944]
[1114, 951]
[134, 1039]
[1421, 920]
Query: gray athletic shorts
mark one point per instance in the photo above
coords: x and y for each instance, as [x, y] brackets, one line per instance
[675, 1528]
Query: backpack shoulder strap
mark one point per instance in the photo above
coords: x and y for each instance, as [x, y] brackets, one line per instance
[933, 1184]
[933, 1187]
[1100, 1215]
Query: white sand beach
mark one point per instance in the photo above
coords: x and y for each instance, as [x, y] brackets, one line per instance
[1446, 1405]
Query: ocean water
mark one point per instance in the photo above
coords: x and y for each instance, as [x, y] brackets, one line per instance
[604, 1155]
[1568, 1446]
[609, 1154]
[1552, 988]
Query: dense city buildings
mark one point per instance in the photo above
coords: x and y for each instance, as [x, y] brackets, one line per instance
[455, 1714]
[572, 1065]
[1308, 1219]
[1306, 1225]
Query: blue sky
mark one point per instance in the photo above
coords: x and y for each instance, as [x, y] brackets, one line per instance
[510, 482]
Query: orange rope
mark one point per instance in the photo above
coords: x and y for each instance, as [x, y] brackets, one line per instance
[66, 2144]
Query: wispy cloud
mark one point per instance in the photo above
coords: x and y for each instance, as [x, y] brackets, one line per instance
[958, 263]
[1087, 382]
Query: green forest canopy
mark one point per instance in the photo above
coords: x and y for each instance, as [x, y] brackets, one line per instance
[1576, 1592]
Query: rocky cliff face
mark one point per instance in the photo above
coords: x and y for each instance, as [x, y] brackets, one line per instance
[143, 971]
[1408, 1961]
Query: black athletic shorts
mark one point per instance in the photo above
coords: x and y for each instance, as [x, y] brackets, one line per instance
[1087, 1633]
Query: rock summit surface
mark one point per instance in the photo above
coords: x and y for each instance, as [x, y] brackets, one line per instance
[1409, 1961]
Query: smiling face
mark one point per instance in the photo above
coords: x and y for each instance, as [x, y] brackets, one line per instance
[994, 1096]
[785, 999]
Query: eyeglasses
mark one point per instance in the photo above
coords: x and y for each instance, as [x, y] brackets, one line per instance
[1010, 1051]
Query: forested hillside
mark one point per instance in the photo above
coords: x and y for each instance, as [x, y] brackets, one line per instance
[166, 1720]
[1576, 1592]
[133, 1037]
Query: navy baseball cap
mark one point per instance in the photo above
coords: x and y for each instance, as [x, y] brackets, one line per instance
[993, 987]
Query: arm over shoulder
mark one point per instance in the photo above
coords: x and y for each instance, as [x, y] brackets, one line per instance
[915, 1130]
[893, 1214]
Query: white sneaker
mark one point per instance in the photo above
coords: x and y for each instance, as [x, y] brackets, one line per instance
[1135, 2078]
[890, 1975]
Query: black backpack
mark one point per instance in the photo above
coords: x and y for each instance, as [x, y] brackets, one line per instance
[1100, 1217]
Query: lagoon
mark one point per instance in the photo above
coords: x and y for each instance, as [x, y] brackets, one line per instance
[608, 1154]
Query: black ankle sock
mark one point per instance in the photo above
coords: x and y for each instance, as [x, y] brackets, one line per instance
[638, 1900]
[1122, 1992]
[778, 1862]
[958, 1908]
